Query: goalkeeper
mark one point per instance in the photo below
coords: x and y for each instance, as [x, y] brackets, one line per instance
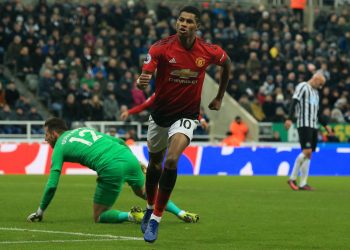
[114, 163]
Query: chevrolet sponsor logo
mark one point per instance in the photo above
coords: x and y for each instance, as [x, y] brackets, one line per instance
[184, 73]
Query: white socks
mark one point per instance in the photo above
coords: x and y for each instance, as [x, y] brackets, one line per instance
[304, 170]
[182, 212]
[153, 217]
[297, 164]
[130, 217]
[301, 163]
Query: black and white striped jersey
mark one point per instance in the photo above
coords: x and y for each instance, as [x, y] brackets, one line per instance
[308, 105]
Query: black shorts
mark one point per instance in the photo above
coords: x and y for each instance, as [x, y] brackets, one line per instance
[308, 138]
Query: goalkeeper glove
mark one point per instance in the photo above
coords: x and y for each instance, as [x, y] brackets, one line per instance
[37, 216]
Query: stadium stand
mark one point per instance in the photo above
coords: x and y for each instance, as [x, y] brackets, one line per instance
[87, 57]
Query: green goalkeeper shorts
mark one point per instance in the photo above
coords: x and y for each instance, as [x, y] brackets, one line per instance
[111, 180]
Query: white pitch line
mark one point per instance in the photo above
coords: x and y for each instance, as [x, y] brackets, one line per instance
[70, 233]
[54, 241]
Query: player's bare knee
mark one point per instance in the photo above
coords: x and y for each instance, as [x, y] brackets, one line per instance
[308, 153]
[156, 160]
[171, 162]
[155, 164]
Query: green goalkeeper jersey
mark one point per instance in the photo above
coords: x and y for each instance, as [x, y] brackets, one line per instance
[88, 147]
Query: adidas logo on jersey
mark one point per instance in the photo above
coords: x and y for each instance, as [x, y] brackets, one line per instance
[172, 60]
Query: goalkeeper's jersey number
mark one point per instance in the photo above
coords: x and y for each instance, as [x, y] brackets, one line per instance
[82, 139]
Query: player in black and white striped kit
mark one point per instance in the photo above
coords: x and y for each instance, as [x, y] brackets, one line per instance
[305, 105]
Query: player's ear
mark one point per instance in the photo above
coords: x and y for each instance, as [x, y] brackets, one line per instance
[55, 134]
[198, 25]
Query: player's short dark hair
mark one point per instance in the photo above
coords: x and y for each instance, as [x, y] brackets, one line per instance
[56, 124]
[193, 10]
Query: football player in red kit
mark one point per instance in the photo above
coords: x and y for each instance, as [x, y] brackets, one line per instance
[180, 62]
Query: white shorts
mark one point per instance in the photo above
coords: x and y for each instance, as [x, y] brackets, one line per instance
[157, 137]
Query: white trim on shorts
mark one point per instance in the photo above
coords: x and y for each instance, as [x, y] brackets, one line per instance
[157, 137]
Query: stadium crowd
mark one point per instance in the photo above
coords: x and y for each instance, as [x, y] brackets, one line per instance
[87, 57]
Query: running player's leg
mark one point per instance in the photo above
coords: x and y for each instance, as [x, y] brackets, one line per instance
[157, 140]
[171, 207]
[180, 135]
[153, 174]
[177, 144]
[134, 176]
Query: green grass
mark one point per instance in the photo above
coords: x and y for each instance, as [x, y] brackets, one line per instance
[235, 213]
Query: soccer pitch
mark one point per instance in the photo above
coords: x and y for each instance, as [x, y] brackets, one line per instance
[235, 213]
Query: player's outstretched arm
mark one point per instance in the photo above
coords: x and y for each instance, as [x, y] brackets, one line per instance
[48, 195]
[139, 108]
[215, 104]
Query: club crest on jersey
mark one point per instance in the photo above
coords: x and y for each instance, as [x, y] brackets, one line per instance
[200, 61]
[147, 59]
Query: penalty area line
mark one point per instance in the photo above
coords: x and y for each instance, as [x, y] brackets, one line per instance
[108, 236]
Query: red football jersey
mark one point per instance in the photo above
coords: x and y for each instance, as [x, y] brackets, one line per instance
[180, 77]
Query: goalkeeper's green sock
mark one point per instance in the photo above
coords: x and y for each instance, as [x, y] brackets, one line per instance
[172, 208]
[113, 216]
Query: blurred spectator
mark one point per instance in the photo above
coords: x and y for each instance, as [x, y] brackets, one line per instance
[230, 140]
[46, 83]
[130, 137]
[280, 115]
[24, 63]
[70, 110]
[24, 103]
[256, 110]
[276, 137]
[13, 52]
[112, 131]
[95, 109]
[57, 96]
[19, 116]
[269, 108]
[2, 95]
[110, 108]
[33, 115]
[109, 90]
[268, 86]
[87, 79]
[11, 94]
[137, 95]
[337, 116]
[3, 79]
[298, 7]
[124, 95]
[6, 114]
[253, 63]
[238, 130]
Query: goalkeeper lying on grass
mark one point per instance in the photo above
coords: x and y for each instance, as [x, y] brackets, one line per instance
[114, 163]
